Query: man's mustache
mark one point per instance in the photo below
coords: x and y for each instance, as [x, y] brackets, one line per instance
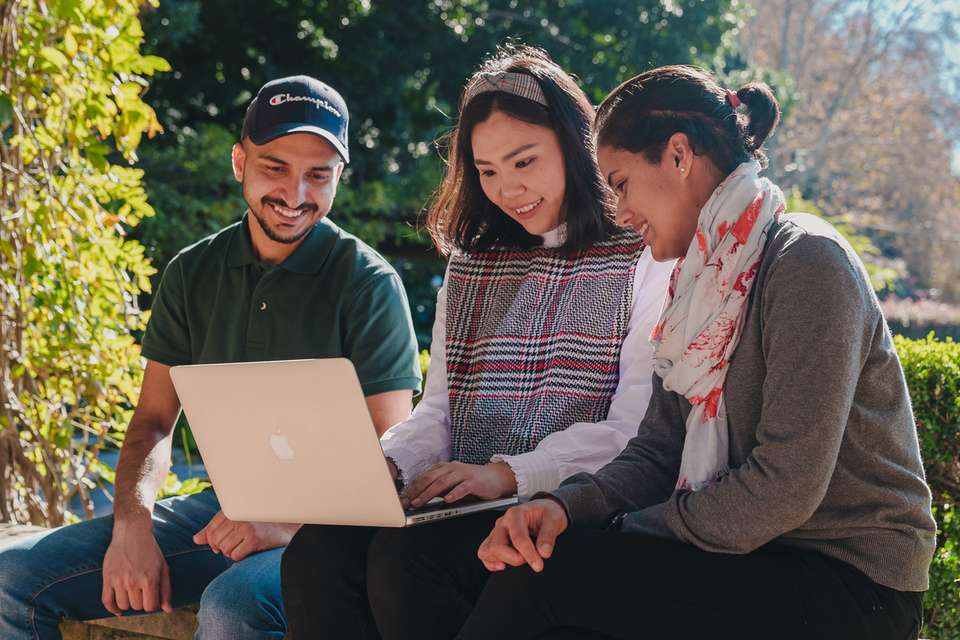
[306, 207]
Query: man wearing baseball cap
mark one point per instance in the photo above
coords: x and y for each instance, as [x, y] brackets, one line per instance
[282, 283]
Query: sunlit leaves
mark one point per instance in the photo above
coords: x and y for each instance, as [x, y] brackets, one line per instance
[69, 277]
[54, 57]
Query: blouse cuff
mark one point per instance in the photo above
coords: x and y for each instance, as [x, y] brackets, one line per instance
[408, 463]
[535, 471]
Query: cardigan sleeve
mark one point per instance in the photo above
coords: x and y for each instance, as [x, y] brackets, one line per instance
[642, 475]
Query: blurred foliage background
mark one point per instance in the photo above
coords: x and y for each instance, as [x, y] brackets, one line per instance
[868, 87]
[401, 67]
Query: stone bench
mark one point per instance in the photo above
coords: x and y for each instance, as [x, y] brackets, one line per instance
[179, 625]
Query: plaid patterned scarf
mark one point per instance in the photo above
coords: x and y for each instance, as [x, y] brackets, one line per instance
[533, 342]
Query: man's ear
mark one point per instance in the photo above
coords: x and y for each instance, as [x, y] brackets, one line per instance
[338, 171]
[239, 157]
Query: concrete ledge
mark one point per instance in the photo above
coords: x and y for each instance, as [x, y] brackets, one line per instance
[179, 625]
[11, 532]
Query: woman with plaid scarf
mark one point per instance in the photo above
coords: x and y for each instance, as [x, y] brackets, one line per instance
[540, 361]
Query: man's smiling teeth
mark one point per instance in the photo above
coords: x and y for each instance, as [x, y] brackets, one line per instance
[643, 229]
[528, 207]
[287, 213]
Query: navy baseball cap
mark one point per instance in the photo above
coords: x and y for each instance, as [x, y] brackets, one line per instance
[298, 104]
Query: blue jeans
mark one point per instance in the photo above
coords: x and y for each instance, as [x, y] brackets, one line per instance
[57, 574]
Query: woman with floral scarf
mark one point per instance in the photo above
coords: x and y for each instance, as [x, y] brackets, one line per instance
[775, 488]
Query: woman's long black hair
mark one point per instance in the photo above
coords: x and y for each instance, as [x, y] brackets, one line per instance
[461, 217]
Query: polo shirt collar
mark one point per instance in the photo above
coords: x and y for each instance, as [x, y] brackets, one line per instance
[308, 257]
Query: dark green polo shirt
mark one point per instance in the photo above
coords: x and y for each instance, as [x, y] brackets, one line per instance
[333, 297]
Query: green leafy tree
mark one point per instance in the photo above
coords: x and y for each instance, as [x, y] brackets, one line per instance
[71, 117]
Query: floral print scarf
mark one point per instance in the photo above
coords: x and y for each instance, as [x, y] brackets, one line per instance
[706, 305]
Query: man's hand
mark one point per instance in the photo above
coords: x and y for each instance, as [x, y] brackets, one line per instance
[456, 480]
[237, 540]
[135, 573]
[510, 544]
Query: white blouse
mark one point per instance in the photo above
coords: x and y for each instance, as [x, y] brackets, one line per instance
[423, 439]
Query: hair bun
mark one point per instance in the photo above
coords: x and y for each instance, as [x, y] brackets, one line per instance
[763, 112]
[642, 113]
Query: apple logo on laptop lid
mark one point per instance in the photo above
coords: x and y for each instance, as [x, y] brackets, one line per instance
[280, 444]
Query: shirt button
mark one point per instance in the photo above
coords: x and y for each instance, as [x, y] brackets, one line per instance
[263, 306]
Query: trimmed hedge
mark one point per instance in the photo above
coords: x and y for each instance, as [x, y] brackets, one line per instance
[932, 369]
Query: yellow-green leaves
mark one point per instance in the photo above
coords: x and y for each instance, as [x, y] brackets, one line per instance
[70, 43]
[69, 277]
[148, 65]
[54, 57]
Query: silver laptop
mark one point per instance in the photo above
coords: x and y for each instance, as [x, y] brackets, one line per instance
[292, 441]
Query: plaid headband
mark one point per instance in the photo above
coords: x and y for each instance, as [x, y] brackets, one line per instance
[519, 84]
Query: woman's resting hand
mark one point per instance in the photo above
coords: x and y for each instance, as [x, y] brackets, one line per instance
[510, 542]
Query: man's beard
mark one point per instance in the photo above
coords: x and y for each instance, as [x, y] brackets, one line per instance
[268, 230]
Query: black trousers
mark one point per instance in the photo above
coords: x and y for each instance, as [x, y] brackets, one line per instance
[628, 586]
[426, 582]
[356, 582]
